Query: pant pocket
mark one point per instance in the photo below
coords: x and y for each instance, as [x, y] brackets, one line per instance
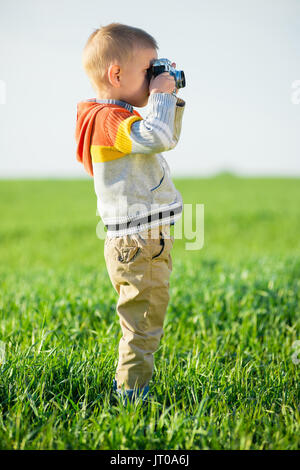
[162, 245]
[126, 254]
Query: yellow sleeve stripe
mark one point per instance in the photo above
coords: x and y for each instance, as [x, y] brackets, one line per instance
[102, 153]
[123, 141]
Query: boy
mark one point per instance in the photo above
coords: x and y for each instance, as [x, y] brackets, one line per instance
[136, 197]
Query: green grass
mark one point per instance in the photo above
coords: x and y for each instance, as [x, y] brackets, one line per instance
[224, 376]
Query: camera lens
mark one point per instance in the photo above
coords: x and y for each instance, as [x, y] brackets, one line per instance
[181, 79]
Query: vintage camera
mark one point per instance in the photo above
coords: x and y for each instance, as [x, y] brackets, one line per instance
[164, 65]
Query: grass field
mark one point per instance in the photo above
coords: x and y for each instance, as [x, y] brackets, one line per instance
[226, 374]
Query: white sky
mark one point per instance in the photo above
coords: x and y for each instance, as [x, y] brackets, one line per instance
[240, 58]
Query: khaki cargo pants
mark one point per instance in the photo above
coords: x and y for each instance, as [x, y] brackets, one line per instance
[139, 267]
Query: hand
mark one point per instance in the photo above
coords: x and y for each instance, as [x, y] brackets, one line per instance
[174, 65]
[163, 83]
[176, 89]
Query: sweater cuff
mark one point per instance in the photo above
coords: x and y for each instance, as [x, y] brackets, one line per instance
[162, 106]
[180, 102]
[165, 99]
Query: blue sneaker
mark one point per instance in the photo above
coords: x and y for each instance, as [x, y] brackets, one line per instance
[132, 394]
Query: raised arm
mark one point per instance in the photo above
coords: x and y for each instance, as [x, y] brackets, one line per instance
[158, 132]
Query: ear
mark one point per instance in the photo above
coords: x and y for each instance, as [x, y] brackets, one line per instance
[114, 75]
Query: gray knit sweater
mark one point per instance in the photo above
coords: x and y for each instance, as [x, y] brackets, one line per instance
[132, 179]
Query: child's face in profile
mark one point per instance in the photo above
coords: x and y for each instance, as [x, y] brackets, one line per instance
[134, 87]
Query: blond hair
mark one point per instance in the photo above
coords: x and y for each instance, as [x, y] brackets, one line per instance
[112, 43]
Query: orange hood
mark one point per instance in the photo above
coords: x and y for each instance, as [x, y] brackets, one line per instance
[86, 113]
